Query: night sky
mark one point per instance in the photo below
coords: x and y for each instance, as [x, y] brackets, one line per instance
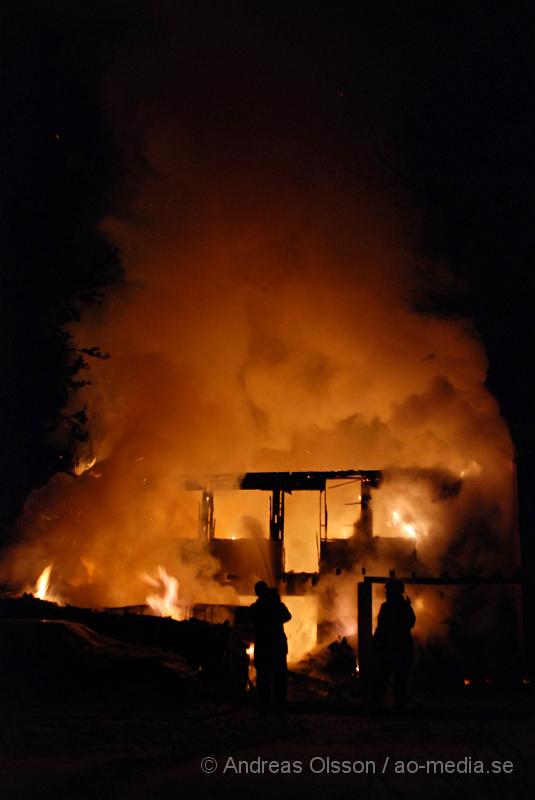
[438, 99]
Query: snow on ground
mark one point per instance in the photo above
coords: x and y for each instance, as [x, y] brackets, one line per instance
[149, 749]
[83, 717]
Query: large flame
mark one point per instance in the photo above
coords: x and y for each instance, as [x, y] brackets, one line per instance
[42, 588]
[165, 602]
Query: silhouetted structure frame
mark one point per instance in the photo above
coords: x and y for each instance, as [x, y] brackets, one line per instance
[365, 605]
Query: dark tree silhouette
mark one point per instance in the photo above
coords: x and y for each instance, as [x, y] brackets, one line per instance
[58, 165]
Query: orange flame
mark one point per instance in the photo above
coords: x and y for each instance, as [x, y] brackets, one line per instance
[165, 602]
[42, 590]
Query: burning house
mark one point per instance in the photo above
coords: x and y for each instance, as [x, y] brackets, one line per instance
[344, 552]
[267, 305]
[273, 321]
[353, 552]
[245, 560]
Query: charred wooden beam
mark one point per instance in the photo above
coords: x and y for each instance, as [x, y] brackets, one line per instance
[282, 481]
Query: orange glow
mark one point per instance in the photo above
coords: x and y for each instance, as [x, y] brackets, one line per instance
[84, 464]
[266, 321]
[165, 602]
[89, 568]
[472, 470]
[252, 671]
[401, 527]
[301, 630]
[42, 587]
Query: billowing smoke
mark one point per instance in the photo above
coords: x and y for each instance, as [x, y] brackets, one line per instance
[267, 322]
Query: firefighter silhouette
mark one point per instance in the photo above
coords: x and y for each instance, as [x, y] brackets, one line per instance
[393, 644]
[269, 614]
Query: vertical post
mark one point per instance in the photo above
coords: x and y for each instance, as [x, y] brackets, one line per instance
[206, 516]
[366, 513]
[364, 618]
[276, 516]
[323, 515]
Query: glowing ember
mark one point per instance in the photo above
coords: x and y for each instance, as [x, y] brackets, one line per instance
[84, 464]
[252, 671]
[472, 470]
[165, 602]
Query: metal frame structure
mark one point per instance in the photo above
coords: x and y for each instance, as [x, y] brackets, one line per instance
[365, 605]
